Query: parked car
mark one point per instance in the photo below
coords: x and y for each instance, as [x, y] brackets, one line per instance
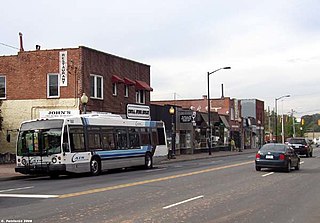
[277, 155]
[301, 146]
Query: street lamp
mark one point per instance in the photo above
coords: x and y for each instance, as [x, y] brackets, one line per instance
[276, 114]
[209, 122]
[84, 100]
[173, 133]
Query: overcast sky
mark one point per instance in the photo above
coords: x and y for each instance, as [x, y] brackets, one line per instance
[272, 46]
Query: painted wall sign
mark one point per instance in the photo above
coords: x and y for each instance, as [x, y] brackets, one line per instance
[63, 68]
[138, 112]
[58, 113]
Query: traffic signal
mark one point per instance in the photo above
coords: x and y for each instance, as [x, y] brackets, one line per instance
[302, 121]
[318, 121]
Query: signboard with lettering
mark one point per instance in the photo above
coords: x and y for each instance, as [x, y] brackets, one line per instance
[58, 113]
[185, 118]
[135, 111]
[63, 68]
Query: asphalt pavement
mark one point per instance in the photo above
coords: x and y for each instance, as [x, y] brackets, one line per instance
[7, 171]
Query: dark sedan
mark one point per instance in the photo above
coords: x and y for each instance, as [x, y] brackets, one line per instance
[301, 146]
[277, 155]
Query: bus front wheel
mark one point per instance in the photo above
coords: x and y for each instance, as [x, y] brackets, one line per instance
[95, 167]
[148, 161]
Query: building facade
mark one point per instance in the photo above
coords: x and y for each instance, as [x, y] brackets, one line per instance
[253, 113]
[49, 83]
[228, 110]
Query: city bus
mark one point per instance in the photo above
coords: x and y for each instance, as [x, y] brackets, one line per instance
[88, 143]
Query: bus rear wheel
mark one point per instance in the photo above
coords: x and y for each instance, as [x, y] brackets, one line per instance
[148, 161]
[95, 167]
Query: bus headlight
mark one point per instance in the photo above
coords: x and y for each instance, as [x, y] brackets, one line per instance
[54, 160]
[24, 162]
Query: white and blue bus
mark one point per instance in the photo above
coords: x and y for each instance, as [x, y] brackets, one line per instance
[88, 143]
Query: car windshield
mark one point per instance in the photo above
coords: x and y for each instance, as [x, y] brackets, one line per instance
[39, 141]
[273, 148]
[297, 141]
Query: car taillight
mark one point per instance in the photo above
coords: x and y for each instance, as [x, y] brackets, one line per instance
[282, 156]
[258, 156]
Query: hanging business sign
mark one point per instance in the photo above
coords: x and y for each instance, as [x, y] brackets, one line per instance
[63, 68]
[135, 111]
[58, 113]
[185, 118]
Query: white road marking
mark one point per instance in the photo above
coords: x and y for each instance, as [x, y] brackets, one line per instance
[153, 170]
[182, 202]
[267, 174]
[20, 188]
[217, 161]
[251, 156]
[29, 195]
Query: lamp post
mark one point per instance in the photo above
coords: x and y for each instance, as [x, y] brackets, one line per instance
[84, 100]
[276, 114]
[173, 133]
[209, 122]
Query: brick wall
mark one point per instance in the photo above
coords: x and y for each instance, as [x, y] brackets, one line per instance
[106, 65]
[26, 73]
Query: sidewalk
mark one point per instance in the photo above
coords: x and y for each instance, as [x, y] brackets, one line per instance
[7, 170]
[199, 156]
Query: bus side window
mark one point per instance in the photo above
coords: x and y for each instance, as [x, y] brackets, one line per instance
[94, 138]
[154, 136]
[161, 136]
[107, 138]
[77, 139]
[145, 137]
[65, 143]
[134, 141]
[121, 138]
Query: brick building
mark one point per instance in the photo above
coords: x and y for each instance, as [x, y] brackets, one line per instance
[229, 111]
[44, 83]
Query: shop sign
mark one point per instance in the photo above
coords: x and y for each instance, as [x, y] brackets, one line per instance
[63, 68]
[58, 113]
[135, 111]
[185, 118]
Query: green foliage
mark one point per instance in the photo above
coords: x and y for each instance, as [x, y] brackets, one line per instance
[311, 123]
[291, 125]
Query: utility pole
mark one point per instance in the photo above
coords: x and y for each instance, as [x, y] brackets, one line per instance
[293, 124]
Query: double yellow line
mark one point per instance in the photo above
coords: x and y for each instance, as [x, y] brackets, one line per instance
[98, 190]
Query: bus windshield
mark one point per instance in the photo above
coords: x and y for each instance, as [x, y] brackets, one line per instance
[35, 139]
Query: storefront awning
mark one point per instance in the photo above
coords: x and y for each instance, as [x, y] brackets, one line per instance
[214, 118]
[128, 81]
[224, 121]
[141, 85]
[117, 79]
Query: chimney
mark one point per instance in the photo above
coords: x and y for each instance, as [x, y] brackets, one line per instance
[37, 47]
[21, 42]
[204, 97]
[222, 93]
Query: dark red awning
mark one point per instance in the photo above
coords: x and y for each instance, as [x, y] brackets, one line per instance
[141, 85]
[117, 79]
[128, 81]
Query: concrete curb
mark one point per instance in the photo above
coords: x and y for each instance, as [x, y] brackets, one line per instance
[7, 171]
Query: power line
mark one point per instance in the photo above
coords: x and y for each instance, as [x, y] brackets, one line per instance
[7, 45]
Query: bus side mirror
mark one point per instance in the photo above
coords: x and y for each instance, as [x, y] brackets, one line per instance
[8, 137]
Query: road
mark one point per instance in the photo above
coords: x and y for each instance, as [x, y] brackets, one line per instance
[219, 190]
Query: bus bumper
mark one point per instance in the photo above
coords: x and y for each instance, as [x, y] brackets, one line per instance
[159, 159]
[41, 169]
